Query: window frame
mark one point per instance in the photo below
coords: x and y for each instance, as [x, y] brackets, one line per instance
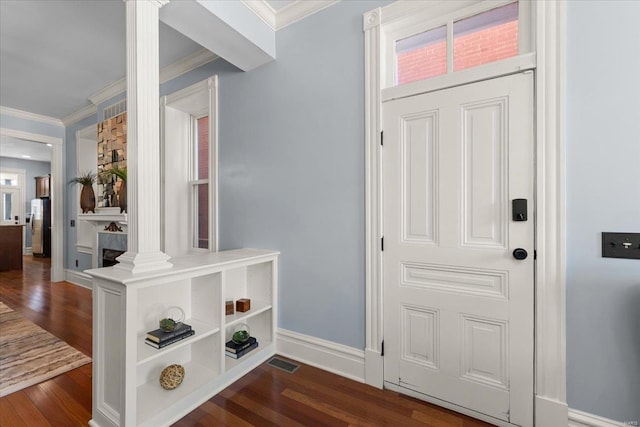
[196, 101]
[194, 182]
[443, 14]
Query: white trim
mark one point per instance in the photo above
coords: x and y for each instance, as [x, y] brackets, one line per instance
[293, 12]
[28, 251]
[327, 355]
[373, 224]
[263, 10]
[584, 419]
[549, 412]
[491, 70]
[108, 92]
[186, 64]
[31, 116]
[550, 340]
[299, 10]
[168, 72]
[550, 204]
[83, 113]
[78, 278]
[57, 195]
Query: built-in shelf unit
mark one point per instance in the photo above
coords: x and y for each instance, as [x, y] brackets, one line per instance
[126, 371]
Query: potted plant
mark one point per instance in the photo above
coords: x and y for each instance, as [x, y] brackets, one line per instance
[122, 193]
[87, 195]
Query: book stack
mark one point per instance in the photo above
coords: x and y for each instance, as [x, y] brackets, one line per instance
[236, 351]
[159, 338]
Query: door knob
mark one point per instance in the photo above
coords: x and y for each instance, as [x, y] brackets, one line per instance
[520, 254]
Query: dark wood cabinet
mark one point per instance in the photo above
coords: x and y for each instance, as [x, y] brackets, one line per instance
[42, 186]
[11, 247]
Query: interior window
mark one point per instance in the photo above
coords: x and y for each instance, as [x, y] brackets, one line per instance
[422, 56]
[479, 39]
[486, 37]
[201, 184]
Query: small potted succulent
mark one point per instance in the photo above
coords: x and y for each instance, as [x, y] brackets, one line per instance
[87, 195]
[241, 334]
[173, 318]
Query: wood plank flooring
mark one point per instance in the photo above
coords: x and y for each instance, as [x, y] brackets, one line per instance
[265, 397]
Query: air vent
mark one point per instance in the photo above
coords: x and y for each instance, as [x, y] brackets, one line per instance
[114, 109]
[286, 366]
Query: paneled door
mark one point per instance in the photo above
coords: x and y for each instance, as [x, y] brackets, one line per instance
[458, 254]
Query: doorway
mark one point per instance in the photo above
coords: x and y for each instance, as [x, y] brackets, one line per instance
[54, 146]
[458, 283]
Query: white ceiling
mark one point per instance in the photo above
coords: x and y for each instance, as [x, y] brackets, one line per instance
[54, 54]
[23, 149]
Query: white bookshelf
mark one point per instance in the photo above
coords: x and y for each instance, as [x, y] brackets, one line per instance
[126, 371]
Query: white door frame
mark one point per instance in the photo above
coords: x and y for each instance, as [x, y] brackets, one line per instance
[57, 194]
[548, 36]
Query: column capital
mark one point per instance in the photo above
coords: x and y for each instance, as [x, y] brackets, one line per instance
[158, 3]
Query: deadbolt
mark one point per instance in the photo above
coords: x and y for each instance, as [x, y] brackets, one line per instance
[520, 254]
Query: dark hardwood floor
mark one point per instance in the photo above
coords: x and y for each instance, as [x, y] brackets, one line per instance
[265, 397]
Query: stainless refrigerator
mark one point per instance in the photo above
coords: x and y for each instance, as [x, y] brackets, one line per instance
[41, 227]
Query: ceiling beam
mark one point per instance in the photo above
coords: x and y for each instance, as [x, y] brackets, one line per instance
[229, 29]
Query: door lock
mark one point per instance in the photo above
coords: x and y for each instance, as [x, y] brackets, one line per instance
[520, 254]
[519, 209]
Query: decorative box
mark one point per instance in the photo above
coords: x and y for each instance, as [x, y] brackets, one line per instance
[228, 307]
[243, 304]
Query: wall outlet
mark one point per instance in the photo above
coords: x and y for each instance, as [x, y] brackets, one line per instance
[73, 223]
[76, 263]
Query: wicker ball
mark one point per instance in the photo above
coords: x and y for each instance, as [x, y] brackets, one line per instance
[171, 377]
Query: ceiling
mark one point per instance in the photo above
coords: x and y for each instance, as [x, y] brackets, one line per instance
[54, 54]
[23, 149]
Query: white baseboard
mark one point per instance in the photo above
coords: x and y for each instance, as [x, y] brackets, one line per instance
[327, 355]
[550, 412]
[28, 251]
[373, 368]
[584, 419]
[77, 278]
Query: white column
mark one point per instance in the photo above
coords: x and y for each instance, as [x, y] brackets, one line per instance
[143, 139]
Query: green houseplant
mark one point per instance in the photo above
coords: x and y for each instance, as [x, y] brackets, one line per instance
[120, 173]
[87, 195]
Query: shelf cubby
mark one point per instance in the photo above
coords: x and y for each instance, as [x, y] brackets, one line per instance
[128, 305]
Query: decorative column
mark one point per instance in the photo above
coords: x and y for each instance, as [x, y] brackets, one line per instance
[143, 139]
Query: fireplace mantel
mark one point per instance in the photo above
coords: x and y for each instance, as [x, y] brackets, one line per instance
[104, 218]
[99, 221]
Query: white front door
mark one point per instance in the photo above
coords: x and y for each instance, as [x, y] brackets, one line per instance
[10, 204]
[458, 305]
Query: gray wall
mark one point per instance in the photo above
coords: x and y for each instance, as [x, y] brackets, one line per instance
[32, 169]
[292, 170]
[603, 194]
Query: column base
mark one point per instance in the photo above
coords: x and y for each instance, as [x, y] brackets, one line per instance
[143, 262]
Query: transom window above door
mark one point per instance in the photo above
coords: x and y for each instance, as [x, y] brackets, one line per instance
[462, 43]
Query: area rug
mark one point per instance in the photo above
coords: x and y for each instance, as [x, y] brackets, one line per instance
[29, 354]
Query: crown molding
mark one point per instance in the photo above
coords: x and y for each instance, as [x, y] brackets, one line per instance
[167, 73]
[289, 14]
[263, 10]
[299, 10]
[30, 116]
[83, 113]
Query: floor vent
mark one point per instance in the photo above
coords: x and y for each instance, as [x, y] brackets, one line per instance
[289, 367]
